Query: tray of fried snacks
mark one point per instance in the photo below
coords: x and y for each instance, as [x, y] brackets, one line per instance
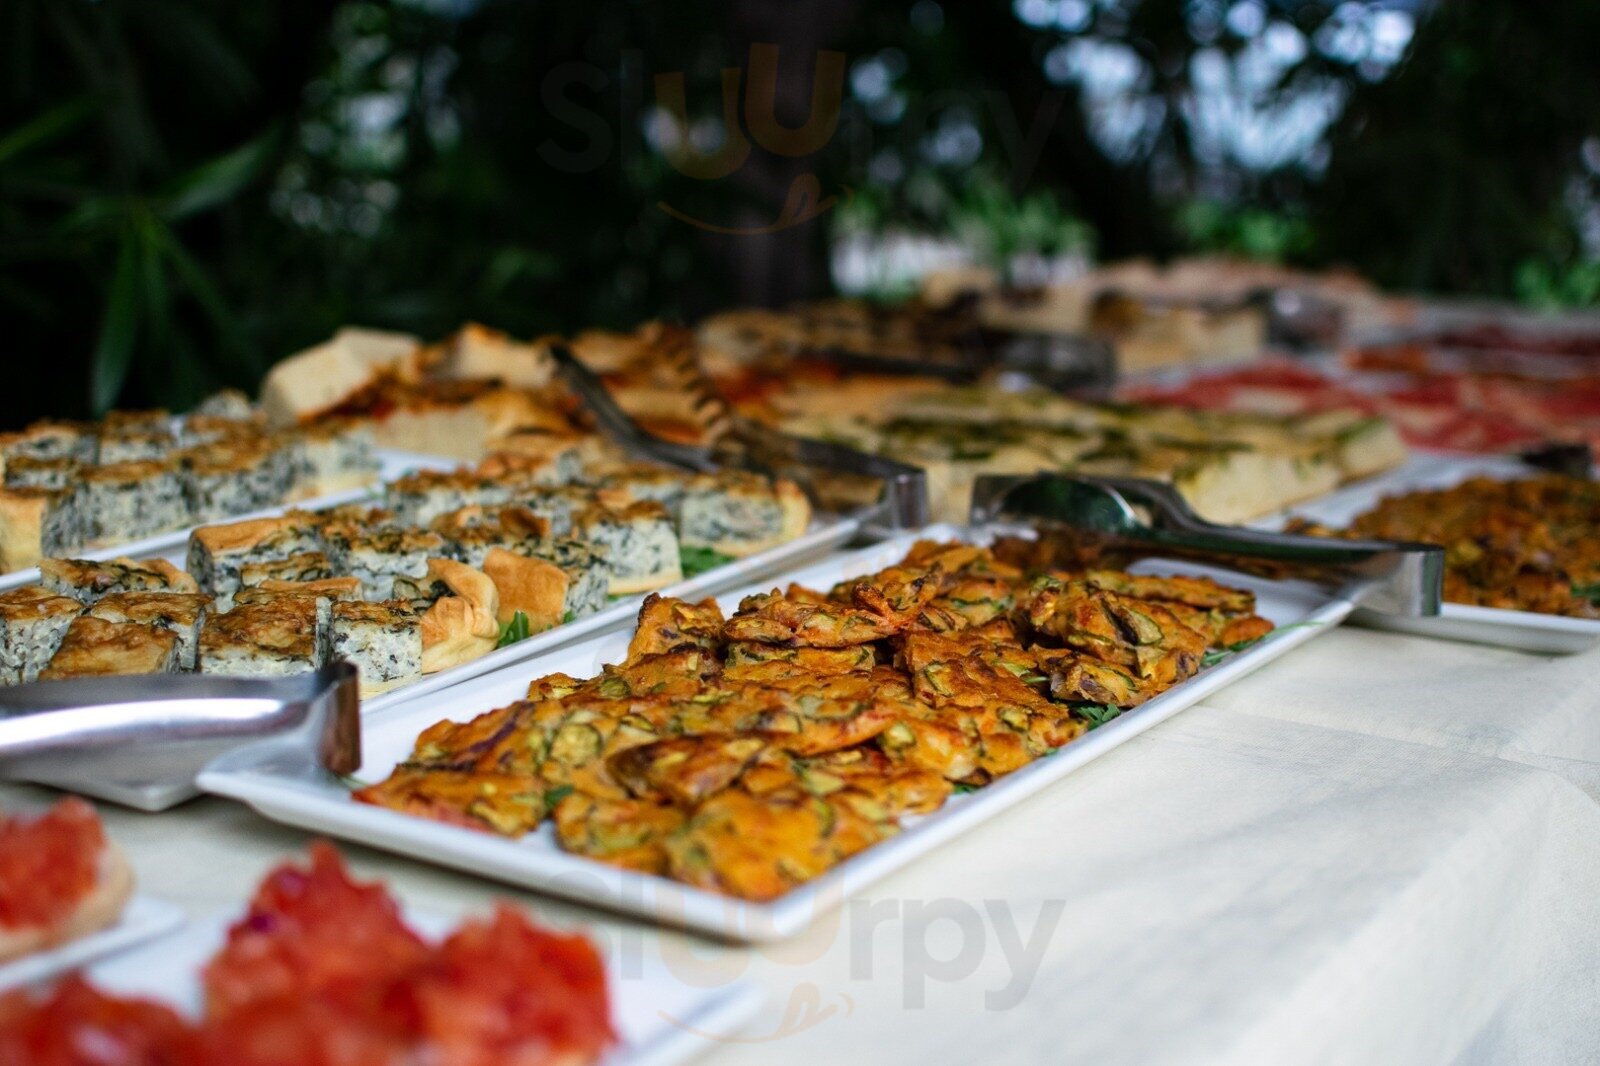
[1522, 547]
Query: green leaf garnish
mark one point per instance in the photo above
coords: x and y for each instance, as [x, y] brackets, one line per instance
[1588, 592]
[568, 616]
[696, 561]
[962, 789]
[514, 630]
[1098, 714]
[1216, 655]
[556, 795]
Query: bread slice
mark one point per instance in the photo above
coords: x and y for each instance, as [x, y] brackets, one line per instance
[98, 910]
[317, 379]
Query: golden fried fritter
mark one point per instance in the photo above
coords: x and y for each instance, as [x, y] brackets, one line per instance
[509, 804]
[813, 662]
[1135, 634]
[1527, 544]
[685, 770]
[758, 848]
[667, 624]
[873, 613]
[627, 833]
[1200, 592]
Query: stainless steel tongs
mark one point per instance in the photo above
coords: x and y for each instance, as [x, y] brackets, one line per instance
[835, 474]
[1143, 518]
[141, 741]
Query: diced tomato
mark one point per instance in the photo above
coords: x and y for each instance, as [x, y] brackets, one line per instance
[48, 864]
[504, 992]
[322, 971]
[302, 1032]
[312, 932]
[77, 1025]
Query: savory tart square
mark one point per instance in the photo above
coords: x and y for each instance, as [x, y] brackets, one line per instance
[638, 541]
[218, 553]
[32, 623]
[94, 647]
[557, 505]
[35, 523]
[297, 568]
[86, 580]
[134, 444]
[333, 456]
[30, 472]
[421, 497]
[646, 481]
[588, 573]
[379, 557]
[180, 613]
[52, 439]
[274, 638]
[739, 513]
[384, 640]
[237, 475]
[125, 501]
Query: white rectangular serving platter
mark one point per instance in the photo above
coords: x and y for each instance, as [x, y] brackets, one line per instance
[173, 544]
[143, 919]
[1522, 630]
[660, 1019]
[300, 795]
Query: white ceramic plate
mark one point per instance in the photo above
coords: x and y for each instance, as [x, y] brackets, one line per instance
[306, 797]
[143, 919]
[660, 1019]
[173, 544]
[1523, 630]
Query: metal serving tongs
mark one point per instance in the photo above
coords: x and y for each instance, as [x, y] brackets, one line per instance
[883, 493]
[1138, 517]
[141, 741]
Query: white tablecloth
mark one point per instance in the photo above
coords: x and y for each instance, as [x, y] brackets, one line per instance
[1543, 710]
[1379, 850]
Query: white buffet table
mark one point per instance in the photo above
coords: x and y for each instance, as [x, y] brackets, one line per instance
[1380, 849]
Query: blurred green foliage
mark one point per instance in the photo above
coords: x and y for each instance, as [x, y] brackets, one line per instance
[191, 189]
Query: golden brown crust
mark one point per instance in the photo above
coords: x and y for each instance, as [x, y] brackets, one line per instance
[460, 628]
[22, 513]
[177, 580]
[334, 588]
[536, 588]
[231, 536]
[795, 506]
[94, 647]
